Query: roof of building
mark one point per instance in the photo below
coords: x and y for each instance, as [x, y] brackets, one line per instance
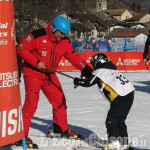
[73, 20]
[116, 12]
[137, 17]
[79, 27]
[128, 25]
[104, 15]
[84, 17]
[108, 23]
[126, 34]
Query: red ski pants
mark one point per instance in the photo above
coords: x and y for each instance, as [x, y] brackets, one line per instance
[53, 92]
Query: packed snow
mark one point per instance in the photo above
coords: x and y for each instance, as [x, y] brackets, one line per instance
[87, 111]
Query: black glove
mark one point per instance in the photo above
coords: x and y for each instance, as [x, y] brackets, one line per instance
[86, 72]
[76, 81]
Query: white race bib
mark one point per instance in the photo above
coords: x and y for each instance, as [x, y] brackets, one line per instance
[115, 80]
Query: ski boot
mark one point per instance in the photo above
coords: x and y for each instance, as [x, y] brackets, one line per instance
[114, 145]
[126, 147]
[130, 148]
[29, 143]
[70, 134]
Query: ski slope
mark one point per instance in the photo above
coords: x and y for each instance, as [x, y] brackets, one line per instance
[87, 111]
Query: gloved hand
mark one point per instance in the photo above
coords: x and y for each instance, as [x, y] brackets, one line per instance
[87, 71]
[76, 81]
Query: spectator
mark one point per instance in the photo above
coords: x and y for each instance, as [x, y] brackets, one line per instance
[146, 53]
[19, 61]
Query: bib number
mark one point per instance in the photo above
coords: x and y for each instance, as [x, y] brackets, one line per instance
[122, 79]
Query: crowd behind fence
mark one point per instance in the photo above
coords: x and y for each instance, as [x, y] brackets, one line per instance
[108, 46]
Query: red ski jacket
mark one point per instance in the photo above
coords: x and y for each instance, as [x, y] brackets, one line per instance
[42, 45]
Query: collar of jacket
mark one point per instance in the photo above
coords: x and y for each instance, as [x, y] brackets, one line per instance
[50, 34]
[107, 65]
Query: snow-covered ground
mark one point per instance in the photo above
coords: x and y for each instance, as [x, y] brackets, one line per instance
[87, 111]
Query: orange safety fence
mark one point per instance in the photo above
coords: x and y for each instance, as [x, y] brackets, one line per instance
[11, 123]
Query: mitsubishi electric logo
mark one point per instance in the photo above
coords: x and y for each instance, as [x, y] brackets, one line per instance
[128, 62]
[65, 63]
[119, 62]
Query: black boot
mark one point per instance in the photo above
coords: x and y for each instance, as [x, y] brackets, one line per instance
[56, 132]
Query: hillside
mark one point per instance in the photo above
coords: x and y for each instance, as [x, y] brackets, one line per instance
[143, 3]
[135, 5]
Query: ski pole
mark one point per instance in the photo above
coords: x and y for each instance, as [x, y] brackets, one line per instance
[62, 74]
[24, 144]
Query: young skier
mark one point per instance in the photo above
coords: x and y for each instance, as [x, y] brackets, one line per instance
[119, 92]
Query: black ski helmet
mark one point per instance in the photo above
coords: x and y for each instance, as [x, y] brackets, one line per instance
[98, 60]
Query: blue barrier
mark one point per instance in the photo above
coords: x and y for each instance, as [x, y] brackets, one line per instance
[123, 44]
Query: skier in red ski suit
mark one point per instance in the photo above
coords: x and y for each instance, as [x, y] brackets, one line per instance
[40, 49]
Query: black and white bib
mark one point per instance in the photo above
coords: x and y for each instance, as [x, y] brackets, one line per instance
[115, 80]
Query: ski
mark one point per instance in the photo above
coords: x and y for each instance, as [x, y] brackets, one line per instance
[33, 146]
[19, 144]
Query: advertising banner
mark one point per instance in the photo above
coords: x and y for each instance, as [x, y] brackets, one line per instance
[127, 61]
[11, 123]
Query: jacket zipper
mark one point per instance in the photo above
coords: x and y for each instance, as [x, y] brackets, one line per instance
[53, 56]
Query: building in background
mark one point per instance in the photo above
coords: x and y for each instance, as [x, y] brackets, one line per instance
[101, 5]
[132, 41]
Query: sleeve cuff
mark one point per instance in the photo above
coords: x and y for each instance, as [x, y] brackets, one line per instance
[37, 63]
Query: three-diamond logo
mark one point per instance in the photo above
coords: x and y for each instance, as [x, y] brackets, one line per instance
[61, 63]
[119, 62]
